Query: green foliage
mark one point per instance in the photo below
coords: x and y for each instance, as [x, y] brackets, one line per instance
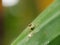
[47, 28]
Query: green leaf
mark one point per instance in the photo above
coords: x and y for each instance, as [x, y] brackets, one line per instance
[47, 27]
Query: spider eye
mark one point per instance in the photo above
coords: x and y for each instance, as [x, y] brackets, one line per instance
[31, 26]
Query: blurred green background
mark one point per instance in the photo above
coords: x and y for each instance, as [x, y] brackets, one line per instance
[19, 16]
